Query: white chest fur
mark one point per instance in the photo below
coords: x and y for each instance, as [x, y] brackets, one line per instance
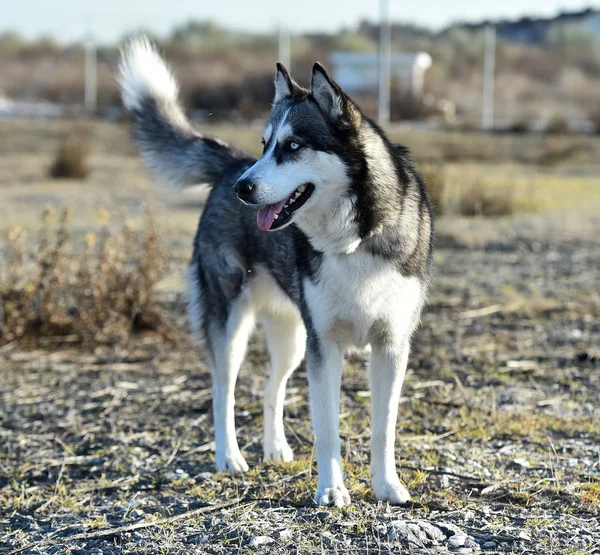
[357, 291]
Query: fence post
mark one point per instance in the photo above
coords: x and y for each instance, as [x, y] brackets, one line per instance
[385, 60]
[91, 62]
[489, 69]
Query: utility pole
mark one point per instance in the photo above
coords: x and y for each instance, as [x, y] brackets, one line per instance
[385, 60]
[90, 99]
[489, 70]
[285, 48]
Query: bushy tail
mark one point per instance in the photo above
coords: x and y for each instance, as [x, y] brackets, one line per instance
[176, 153]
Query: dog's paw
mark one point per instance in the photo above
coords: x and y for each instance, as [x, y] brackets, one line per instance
[232, 462]
[278, 451]
[332, 497]
[390, 489]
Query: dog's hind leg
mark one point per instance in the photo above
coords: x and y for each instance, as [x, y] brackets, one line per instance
[388, 366]
[286, 340]
[228, 349]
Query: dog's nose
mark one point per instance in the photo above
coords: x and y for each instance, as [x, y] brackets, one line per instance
[243, 189]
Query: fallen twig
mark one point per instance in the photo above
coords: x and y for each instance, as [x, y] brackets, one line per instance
[432, 470]
[129, 527]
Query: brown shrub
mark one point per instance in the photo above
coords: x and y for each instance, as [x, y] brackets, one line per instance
[466, 147]
[102, 295]
[490, 203]
[434, 176]
[557, 150]
[71, 158]
[595, 119]
[520, 126]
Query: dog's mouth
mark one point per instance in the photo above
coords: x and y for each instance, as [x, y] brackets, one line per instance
[274, 216]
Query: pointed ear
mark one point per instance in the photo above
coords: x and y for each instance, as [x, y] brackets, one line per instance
[284, 84]
[327, 93]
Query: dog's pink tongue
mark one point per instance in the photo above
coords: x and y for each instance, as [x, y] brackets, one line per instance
[266, 215]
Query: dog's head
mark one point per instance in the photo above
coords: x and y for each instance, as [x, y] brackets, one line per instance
[302, 173]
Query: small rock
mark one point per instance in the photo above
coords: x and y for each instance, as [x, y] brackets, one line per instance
[257, 541]
[442, 481]
[285, 534]
[489, 545]
[468, 517]
[328, 538]
[407, 532]
[520, 463]
[381, 529]
[524, 536]
[203, 476]
[457, 541]
[433, 533]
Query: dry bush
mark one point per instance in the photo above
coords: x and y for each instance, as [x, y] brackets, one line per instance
[461, 147]
[434, 176]
[595, 119]
[71, 158]
[520, 126]
[490, 203]
[101, 295]
[557, 150]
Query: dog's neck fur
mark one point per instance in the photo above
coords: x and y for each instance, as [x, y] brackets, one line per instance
[358, 215]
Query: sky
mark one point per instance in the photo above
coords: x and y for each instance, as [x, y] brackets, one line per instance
[70, 20]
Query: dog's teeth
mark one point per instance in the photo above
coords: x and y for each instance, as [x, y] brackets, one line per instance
[297, 195]
[276, 216]
[301, 188]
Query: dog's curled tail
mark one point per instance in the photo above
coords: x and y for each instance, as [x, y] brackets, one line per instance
[177, 154]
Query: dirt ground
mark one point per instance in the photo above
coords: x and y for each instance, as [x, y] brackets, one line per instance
[110, 450]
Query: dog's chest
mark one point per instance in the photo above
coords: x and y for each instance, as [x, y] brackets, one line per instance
[357, 292]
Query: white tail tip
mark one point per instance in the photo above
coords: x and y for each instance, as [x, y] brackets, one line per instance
[143, 74]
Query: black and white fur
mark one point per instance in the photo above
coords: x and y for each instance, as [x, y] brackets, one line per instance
[348, 265]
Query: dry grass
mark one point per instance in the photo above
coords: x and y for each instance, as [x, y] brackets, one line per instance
[481, 201]
[459, 147]
[504, 367]
[435, 178]
[558, 150]
[71, 161]
[101, 295]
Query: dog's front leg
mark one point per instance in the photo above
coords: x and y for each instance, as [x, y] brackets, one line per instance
[324, 380]
[388, 366]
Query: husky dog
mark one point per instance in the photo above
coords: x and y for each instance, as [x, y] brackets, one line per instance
[326, 241]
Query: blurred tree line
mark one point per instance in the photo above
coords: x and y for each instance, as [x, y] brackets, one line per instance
[228, 73]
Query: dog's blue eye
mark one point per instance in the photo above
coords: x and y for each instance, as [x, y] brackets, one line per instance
[292, 146]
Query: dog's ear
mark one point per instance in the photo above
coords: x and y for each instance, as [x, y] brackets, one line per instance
[327, 93]
[284, 84]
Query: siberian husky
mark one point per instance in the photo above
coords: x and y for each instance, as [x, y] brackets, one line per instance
[326, 241]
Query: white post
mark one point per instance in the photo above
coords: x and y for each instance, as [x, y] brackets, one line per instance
[90, 99]
[285, 48]
[385, 60]
[489, 70]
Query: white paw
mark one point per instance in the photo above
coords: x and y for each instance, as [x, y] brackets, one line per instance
[278, 451]
[332, 497]
[231, 461]
[390, 489]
